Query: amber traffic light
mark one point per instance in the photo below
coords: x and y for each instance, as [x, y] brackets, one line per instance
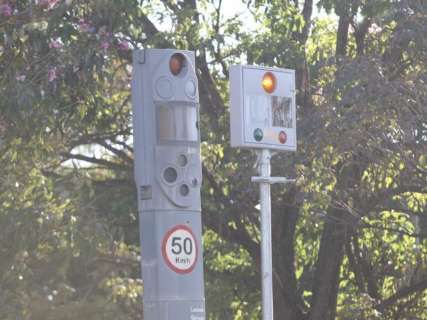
[269, 82]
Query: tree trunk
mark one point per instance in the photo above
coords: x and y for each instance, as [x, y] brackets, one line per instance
[288, 305]
[327, 276]
[342, 35]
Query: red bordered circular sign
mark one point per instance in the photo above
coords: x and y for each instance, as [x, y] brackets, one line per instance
[179, 249]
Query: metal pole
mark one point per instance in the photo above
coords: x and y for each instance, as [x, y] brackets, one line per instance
[266, 254]
[265, 180]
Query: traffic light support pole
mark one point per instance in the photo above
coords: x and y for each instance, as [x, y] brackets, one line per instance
[265, 180]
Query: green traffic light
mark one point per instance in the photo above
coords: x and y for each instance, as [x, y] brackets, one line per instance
[258, 135]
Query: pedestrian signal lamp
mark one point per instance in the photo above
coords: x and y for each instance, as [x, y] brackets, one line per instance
[262, 106]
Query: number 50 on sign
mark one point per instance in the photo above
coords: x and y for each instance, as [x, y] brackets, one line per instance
[179, 249]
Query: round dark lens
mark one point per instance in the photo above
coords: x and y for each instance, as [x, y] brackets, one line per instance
[182, 160]
[184, 190]
[170, 175]
[194, 182]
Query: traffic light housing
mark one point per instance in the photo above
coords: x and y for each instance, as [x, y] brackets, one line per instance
[262, 108]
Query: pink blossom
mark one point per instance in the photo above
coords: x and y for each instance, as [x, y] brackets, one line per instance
[20, 78]
[124, 45]
[56, 44]
[51, 74]
[49, 4]
[105, 45]
[84, 26]
[374, 28]
[6, 10]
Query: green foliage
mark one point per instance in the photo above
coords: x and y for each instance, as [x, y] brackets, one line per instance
[70, 240]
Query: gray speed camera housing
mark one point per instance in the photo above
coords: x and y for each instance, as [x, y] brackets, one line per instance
[168, 176]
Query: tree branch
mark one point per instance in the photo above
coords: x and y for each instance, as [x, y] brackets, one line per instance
[102, 162]
[120, 153]
[401, 294]
[238, 235]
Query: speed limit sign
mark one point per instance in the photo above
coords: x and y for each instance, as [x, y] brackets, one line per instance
[179, 249]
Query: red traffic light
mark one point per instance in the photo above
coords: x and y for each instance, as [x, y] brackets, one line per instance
[176, 63]
[283, 137]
